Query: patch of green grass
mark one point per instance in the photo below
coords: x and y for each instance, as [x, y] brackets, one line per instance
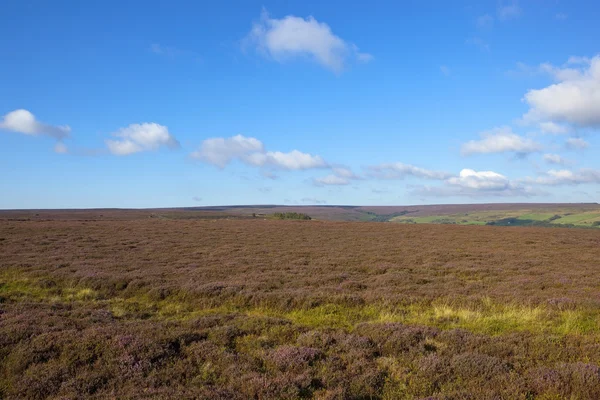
[483, 316]
[577, 218]
[537, 216]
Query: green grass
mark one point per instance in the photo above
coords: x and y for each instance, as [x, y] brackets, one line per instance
[575, 217]
[481, 316]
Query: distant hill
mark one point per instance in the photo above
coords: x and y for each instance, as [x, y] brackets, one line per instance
[509, 214]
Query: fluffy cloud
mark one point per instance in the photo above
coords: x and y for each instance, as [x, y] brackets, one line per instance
[482, 180]
[400, 171]
[294, 160]
[340, 176]
[555, 159]
[574, 98]
[576, 144]
[500, 140]
[471, 183]
[291, 37]
[222, 151]
[567, 177]
[141, 137]
[22, 121]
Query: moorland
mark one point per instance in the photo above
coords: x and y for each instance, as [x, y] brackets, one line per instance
[221, 305]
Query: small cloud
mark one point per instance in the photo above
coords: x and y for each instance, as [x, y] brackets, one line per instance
[331, 180]
[555, 159]
[141, 137]
[576, 144]
[567, 177]
[509, 11]
[197, 199]
[400, 171]
[294, 37]
[60, 148]
[445, 70]
[480, 43]
[485, 21]
[341, 176]
[23, 121]
[471, 183]
[500, 140]
[251, 151]
[264, 189]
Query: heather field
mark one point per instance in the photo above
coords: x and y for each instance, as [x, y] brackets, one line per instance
[140, 304]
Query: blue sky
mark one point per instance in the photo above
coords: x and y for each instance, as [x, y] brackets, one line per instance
[181, 103]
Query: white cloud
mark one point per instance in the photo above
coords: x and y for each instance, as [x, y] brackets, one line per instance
[294, 160]
[508, 11]
[482, 180]
[291, 37]
[499, 140]
[445, 70]
[471, 183]
[344, 172]
[23, 121]
[576, 144]
[221, 151]
[251, 151]
[60, 148]
[553, 128]
[340, 176]
[485, 21]
[400, 171]
[141, 137]
[574, 99]
[567, 177]
[555, 159]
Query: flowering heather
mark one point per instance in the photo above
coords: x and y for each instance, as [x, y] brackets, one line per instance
[127, 306]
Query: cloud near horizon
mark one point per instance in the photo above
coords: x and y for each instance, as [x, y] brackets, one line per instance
[294, 37]
[471, 183]
[400, 170]
[500, 140]
[568, 177]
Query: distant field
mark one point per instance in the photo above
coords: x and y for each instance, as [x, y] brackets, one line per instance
[185, 304]
[566, 216]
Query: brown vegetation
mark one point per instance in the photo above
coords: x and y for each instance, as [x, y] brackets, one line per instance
[130, 306]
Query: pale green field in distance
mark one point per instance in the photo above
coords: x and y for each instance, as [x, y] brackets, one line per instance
[558, 217]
